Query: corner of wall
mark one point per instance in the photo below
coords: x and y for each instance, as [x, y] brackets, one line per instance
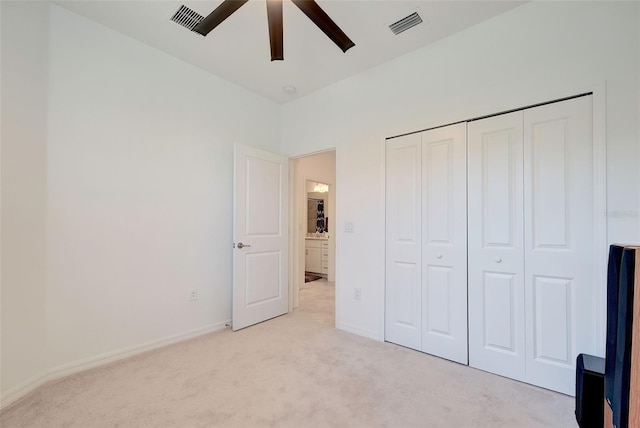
[23, 192]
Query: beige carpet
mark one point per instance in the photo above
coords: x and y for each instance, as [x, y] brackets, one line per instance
[293, 371]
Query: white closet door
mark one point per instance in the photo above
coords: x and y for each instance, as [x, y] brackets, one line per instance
[444, 242]
[496, 264]
[559, 242]
[403, 317]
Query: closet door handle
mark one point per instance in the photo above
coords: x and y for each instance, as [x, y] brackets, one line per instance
[439, 256]
[498, 260]
[241, 245]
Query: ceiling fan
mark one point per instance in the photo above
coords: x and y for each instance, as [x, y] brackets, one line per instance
[274, 16]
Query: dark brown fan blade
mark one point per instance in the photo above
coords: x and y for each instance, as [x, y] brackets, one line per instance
[326, 24]
[274, 15]
[220, 13]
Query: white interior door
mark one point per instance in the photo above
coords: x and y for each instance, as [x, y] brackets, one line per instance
[403, 315]
[559, 241]
[260, 236]
[444, 242]
[496, 254]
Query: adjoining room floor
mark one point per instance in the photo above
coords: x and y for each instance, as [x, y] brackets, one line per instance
[293, 371]
[310, 277]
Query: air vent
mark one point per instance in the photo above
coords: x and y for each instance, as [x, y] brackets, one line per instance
[405, 23]
[186, 17]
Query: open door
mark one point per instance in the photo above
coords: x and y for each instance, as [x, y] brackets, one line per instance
[260, 236]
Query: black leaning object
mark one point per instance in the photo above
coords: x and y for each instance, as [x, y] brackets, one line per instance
[613, 284]
[589, 391]
[622, 374]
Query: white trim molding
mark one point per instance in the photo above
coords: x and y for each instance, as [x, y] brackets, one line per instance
[23, 389]
[369, 334]
[19, 391]
[599, 103]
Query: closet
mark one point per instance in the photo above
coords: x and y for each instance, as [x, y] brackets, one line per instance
[426, 236]
[493, 219]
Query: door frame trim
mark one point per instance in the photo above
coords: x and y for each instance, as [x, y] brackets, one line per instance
[295, 249]
[599, 134]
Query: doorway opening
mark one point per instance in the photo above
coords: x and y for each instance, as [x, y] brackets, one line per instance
[313, 190]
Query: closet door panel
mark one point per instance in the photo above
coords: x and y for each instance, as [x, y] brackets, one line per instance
[444, 242]
[403, 315]
[498, 302]
[496, 265]
[559, 246]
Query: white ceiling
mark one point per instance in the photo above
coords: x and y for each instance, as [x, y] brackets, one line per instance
[238, 49]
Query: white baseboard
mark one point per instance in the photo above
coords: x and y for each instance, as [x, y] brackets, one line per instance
[108, 357]
[24, 388]
[369, 334]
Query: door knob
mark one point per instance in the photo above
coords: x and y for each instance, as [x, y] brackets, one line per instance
[498, 260]
[439, 256]
[241, 245]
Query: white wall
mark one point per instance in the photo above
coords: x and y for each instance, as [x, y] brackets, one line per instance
[23, 135]
[139, 190]
[537, 52]
[135, 193]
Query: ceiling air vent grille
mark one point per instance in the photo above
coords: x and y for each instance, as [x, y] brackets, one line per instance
[405, 23]
[187, 17]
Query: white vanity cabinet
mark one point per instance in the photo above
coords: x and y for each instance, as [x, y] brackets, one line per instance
[316, 257]
[325, 257]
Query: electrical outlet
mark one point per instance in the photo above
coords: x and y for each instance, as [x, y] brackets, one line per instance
[193, 294]
[357, 293]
